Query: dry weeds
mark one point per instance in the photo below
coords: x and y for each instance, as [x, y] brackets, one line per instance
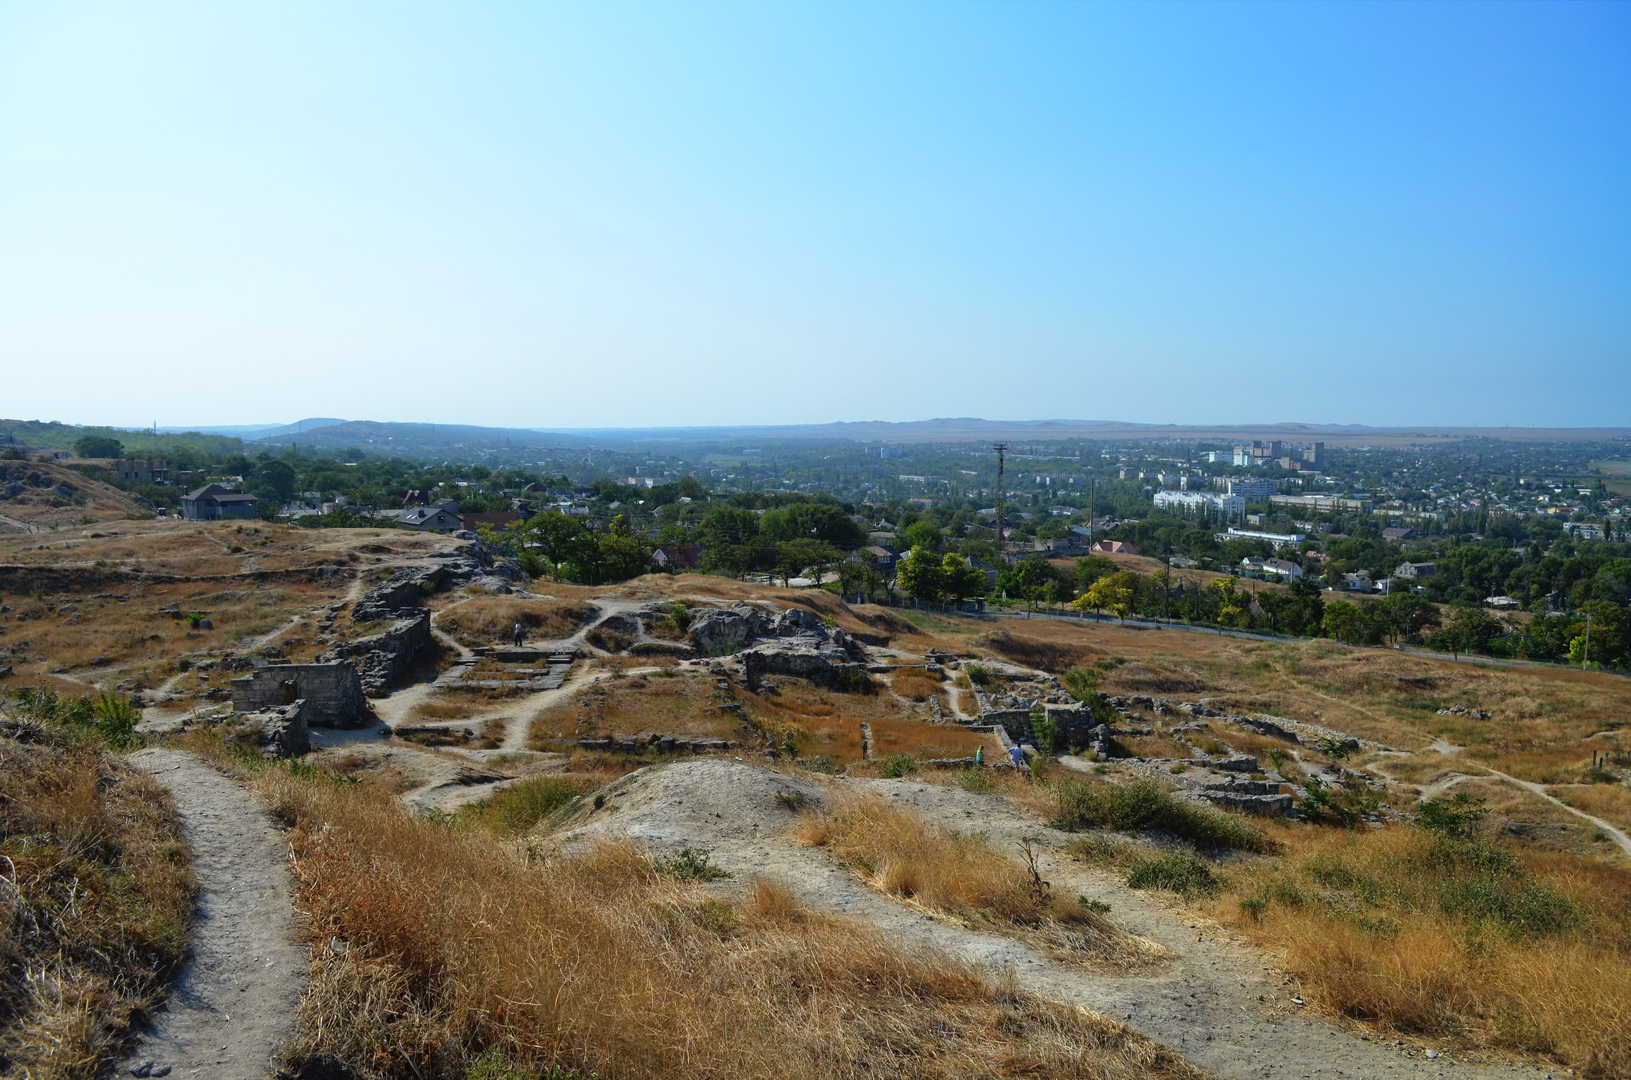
[433, 944]
[486, 620]
[951, 874]
[99, 899]
[1471, 941]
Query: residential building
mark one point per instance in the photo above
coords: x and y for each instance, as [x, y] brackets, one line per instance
[1114, 547]
[431, 519]
[1415, 570]
[214, 502]
[135, 471]
[1279, 540]
[1359, 581]
[1252, 489]
[1284, 569]
[1201, 503]
[1320, 503]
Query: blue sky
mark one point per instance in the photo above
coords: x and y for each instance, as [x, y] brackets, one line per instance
[664, 214]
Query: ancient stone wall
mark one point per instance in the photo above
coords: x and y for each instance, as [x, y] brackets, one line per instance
[332, 692]
[383, 657]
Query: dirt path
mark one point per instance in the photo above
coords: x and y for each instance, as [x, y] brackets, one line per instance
[1218, 1002]
[233, 1004]
[1617, 835]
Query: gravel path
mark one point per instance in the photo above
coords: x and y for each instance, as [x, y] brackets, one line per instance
[233, 1003]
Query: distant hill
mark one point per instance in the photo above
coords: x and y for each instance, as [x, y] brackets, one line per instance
[37, 495]
[250, 432]
[394, 438]
[973, 429]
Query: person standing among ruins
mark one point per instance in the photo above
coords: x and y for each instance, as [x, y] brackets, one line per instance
[518, 635]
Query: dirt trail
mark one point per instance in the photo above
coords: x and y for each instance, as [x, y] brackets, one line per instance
[1218, 1003]
[233, 1004]
[1617, 835]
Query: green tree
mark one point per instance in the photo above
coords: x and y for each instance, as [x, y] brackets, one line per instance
[98, 446]
[1033, 580]
[921, 575]
[1609, 638]
[1344, 621]
[824, 522]
[961, 580]
[1470, 630]
[859, 577]
[923, 534]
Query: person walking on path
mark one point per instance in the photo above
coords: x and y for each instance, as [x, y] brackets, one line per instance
[518, 635]
[1018, 756]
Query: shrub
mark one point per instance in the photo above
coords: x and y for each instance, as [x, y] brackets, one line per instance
[1454, 817]
[850, 679]
[1176, 871]
[689, 864]
[1145, 804]
[516, 809]
[610, 640]
[898, 766]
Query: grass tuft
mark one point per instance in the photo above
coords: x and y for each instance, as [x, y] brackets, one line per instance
[1145, 804]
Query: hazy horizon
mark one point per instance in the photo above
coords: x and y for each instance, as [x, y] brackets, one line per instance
[679, 215]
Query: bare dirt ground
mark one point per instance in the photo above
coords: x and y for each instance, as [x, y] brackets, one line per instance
[1218, 1002]
[234, 1002]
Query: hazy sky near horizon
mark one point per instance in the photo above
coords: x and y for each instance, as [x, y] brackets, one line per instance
[619, 214]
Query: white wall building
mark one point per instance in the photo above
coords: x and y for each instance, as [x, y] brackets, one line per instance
[1252, 490]
[1226, 507]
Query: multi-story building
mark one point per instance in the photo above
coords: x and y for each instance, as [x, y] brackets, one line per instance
[1225, 507]
[1252, 490]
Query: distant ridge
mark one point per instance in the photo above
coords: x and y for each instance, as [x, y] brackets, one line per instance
[254, 431]
[332, 432]
[969, 429]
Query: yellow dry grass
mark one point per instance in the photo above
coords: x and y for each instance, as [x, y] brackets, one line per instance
[98, 904]
[1471, 942]
[433, 944]
[1611, 802]
[896, 852]
[490, 620]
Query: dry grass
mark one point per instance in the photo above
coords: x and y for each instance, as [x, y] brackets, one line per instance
[99, 900]
[1152, 746]
[1046, 651]
[486, 620]
[1468, 941]
[963, 877]
[916, 684]
[1611, 802]
[683, 704]
[434, 944]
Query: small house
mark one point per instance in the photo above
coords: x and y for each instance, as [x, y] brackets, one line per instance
[214, 502]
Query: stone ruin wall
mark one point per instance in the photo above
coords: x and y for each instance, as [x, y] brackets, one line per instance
[332, 692]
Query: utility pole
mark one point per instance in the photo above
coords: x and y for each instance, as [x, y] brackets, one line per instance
[1585, 654]
[1001, 449]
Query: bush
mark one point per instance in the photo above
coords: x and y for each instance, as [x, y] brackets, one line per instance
[1145, 804]
[690, 864]
[109, 718]
[849, 679]
[1454, 817]
[898, 766]
[516, 809]
[1176, 871]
